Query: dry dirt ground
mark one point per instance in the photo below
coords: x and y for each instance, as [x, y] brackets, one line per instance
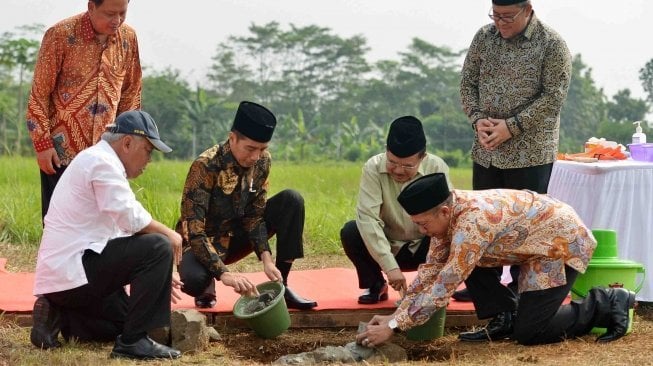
[244, 348]
[634, 349]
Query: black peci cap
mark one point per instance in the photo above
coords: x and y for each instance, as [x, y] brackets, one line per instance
[406, 137]
[424, 193]
[254, 121]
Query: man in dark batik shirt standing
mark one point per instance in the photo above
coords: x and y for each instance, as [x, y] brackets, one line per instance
[225, 213]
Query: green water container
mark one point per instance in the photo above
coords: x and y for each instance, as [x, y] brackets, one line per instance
[433, 328]
[270, 321]
[606, 246]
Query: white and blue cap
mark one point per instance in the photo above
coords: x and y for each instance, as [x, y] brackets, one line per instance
[141, 124]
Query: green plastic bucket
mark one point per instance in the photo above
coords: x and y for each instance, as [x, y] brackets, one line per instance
[270, 321]
[609, 272]
[433, 328]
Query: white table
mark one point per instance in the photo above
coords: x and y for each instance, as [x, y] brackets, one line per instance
[613, 195]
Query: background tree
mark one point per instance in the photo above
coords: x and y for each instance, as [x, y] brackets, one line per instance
[646, 76]
[330, 102]
[164, 97]
[584, 109]
[18, 52]
[623, 110]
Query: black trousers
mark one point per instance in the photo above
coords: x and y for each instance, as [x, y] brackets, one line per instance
[101, 310]
[535, 178]
[48, 182]
[368, 270]
[541, 318]
[284, 217]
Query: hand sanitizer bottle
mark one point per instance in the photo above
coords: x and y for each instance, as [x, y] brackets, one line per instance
[638, 137]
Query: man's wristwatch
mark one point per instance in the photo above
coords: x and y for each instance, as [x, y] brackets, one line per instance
[393, 325]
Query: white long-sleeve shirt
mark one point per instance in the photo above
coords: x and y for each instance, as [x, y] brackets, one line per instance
[91, 204]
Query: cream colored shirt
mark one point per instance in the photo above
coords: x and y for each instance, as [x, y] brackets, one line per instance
[383, 224]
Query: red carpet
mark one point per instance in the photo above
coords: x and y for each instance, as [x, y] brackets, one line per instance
[332, 288]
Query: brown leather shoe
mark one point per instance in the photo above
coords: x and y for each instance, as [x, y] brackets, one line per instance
[46, 323]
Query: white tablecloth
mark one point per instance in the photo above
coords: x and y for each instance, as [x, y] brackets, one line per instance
[613, 195]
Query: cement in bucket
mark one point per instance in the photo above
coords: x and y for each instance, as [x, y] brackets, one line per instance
[433, 328]
[270, 321]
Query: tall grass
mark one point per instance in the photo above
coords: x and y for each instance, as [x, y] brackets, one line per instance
[329, 189]
[20, 201]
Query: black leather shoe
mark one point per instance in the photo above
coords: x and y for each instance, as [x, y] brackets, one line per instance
[143, 349]
[374, 294]
[621, 301]
[500, 327]
[462, 295]
[205, 301]
[294, 301]
[46, 323]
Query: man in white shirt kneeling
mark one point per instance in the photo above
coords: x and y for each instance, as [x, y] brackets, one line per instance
[97, 238]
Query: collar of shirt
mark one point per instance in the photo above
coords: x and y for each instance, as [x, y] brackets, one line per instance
[88, 33]
[226, 158]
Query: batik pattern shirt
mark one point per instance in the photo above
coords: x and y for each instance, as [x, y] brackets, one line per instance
[80, 85]
[494, 228]
[523, 80]
[221, 197]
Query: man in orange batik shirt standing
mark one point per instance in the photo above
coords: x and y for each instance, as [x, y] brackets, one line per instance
[88, 71]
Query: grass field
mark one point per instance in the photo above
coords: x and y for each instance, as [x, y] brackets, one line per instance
[329, 189]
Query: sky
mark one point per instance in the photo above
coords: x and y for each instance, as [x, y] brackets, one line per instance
[612, 37]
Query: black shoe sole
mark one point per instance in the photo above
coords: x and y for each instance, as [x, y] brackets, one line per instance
[40, 317]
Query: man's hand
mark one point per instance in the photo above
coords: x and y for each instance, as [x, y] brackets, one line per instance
[377, 331]
[175, 242]
[269, 268]
[481, 125]
[493, 135]
[176, 287]
[240, 284]
[397, 281]
[173, 236]
[47, 160]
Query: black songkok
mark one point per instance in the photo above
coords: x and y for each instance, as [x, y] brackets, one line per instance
[254, 121]
[406, 137]
[424, 193]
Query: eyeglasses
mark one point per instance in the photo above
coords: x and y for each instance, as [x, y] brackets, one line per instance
[393, 165]
[506, 19]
